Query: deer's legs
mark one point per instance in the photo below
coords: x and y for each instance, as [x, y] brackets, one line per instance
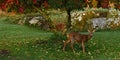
[65, 43]
[71, 45]
[83, 47]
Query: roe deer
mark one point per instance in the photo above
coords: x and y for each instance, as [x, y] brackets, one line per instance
[80, 38]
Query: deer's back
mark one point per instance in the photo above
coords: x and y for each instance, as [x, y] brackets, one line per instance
[77, 37]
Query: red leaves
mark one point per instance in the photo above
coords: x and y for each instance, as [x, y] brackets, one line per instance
[17, 2]
[6, 3]
[45, 4]
[119, 7]
[104, 5]
[18, 5]
[34, 1]
[3, 6]
[86, 1]
[21, 9]
[12, 1]
[9, 1]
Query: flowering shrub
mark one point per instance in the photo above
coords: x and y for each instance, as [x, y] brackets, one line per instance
[113, 19]
[96, 17]
[33, 20]
[77, 21]
[82, 19]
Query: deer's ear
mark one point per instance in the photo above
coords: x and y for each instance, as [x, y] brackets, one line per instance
[93, 30]
[89, 31]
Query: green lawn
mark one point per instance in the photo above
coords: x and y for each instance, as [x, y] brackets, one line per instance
[25, 43]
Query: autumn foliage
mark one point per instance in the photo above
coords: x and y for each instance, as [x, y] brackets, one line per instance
[10, 4]
[20, 5]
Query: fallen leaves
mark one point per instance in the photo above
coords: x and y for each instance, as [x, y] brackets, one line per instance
[4, 52]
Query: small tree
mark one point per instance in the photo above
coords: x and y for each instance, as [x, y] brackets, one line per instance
[68, 5]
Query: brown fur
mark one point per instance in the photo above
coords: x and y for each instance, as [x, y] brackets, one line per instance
[74, 37]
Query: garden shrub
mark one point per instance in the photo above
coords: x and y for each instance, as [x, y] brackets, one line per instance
[28, 19]
[81, 20]
[41, 21]
[113, 19]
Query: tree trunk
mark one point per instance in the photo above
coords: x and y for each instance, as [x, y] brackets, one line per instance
[99, 3]
[69, 18]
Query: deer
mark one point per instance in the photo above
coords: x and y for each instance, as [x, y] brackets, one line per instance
[75, 37]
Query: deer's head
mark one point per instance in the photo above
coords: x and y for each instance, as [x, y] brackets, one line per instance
[91, 31]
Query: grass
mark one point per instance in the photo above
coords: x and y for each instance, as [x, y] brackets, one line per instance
[25, 43]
